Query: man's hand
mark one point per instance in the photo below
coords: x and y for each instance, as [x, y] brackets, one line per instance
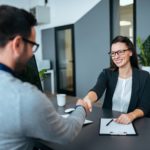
[83, 103]
[125, 118]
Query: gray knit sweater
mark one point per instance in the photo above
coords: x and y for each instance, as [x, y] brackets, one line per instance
[27, 114]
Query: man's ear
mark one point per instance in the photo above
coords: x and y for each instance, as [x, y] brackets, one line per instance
[17, 45]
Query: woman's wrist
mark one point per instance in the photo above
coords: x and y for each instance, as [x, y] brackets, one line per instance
[137, 113]
[133, 116]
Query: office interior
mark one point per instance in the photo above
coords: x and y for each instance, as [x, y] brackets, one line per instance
[79, 34]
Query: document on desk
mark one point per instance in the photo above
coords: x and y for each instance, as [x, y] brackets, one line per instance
[108, 127]
[85, 122]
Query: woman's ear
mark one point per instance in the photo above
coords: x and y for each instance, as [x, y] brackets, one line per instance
[130, 53]
[17, 45]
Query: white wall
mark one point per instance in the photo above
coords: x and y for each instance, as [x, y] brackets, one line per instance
[62, 12]
[33, 3]
[70, 11]
[18, 3]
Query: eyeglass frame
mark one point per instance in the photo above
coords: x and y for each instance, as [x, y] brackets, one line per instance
[33, 43]
[119, 52]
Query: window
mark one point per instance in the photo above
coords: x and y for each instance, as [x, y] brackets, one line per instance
[122, 18]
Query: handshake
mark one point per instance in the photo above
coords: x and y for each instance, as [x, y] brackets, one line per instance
[86, 103]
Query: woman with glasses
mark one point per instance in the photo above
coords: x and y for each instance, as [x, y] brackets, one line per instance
[126, 86]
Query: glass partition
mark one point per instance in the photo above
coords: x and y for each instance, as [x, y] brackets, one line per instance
[65, 67]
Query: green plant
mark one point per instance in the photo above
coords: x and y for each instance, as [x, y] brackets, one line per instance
[42, 74]
[144, 56]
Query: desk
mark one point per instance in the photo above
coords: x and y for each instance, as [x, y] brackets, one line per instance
[51, 72]
[89, 138]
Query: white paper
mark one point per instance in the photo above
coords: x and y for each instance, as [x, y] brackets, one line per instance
[85, 122]
[115, 128]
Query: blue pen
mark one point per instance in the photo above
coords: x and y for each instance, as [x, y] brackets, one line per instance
[109, 122]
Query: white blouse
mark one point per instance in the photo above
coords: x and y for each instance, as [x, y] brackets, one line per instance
[122, 95]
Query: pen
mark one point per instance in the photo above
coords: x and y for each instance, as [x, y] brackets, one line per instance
[109, 122]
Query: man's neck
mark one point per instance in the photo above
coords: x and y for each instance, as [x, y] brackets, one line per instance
[7, 61]
[7, 64]
[5, 68]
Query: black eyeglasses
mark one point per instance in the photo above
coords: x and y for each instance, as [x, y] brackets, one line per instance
[35, 45]
[119, 52]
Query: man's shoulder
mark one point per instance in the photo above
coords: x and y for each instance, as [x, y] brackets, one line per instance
[33, 100]
[27, 93]
[25, 88]
[20, 91]
[30, 92]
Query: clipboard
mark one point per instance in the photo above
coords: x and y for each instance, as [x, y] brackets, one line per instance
[114, 128]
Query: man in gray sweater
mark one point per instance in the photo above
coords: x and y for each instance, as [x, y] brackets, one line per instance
[26, 114]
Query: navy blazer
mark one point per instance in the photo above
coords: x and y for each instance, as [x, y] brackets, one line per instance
[140, 94]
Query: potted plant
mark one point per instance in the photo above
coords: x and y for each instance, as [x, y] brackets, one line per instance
[43, 76]
[144, 55]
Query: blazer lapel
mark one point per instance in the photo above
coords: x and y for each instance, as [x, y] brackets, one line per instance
[114, 80]
[135, 87]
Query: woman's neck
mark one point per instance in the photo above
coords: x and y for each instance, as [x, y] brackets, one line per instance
[125, 72]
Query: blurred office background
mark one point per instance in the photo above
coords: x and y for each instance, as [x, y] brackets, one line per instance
[75, 37]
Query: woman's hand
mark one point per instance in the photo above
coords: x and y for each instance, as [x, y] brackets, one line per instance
[90, 98]
[125, 118]
[89, 103]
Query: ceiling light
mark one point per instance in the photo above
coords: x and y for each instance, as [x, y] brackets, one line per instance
[125, 23]
[125, 2]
